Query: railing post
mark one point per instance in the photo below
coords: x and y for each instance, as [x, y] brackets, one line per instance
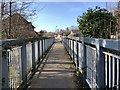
[68, 45]
[47, 42]
[38, 50]
[84, 63]
[42, 47]
[73, 48]
[65, 42]
[77, 56]
[70, 48]
[100, 66]
[5, 73]
[24, 62]
[33, 55]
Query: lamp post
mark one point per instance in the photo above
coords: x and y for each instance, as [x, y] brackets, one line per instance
[55, 28]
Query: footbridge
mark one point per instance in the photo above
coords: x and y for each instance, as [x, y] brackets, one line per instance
[74, 62]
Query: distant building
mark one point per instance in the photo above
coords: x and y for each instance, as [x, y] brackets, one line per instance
[20, 28]
[74, 33]
[48, 34]
[59, 36]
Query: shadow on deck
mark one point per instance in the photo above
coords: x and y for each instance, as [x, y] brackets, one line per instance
[57, 71]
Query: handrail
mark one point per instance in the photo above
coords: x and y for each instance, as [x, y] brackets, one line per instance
[97, 59]
[18, 42]
[20, 57]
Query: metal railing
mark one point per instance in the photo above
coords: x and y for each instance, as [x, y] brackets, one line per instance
[20, 58]
[97, 59]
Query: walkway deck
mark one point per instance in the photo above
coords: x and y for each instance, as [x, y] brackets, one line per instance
[58, 70]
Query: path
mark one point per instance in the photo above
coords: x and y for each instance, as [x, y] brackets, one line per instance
[57, 72]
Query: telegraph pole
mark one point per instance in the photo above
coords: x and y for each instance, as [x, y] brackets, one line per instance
[9, 33]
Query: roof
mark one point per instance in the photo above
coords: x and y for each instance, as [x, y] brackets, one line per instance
[16, 15]
[20, 27]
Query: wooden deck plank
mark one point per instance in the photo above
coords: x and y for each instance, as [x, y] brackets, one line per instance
[58, 71]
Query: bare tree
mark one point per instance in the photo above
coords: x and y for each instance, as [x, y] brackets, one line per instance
[22, 8]
[25, 11]
[117, 15]
[10, 8]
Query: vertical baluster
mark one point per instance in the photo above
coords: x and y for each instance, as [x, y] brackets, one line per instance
[118, 74]
[113, 72]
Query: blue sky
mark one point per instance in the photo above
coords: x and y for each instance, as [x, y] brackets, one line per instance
[60, 14]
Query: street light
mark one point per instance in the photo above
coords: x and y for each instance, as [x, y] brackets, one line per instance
[55, 28]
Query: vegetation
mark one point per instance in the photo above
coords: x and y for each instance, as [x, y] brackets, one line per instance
[42, 32]
[117, 16]
[96, 23]
[9, 9]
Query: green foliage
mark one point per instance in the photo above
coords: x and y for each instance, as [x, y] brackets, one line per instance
[96, 23]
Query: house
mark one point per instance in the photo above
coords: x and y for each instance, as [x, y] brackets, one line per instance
[74, 33]
[59, 36]
[19, 27]
[48, 34]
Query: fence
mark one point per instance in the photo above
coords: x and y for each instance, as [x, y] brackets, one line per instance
[20, 58]
[97, 59]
